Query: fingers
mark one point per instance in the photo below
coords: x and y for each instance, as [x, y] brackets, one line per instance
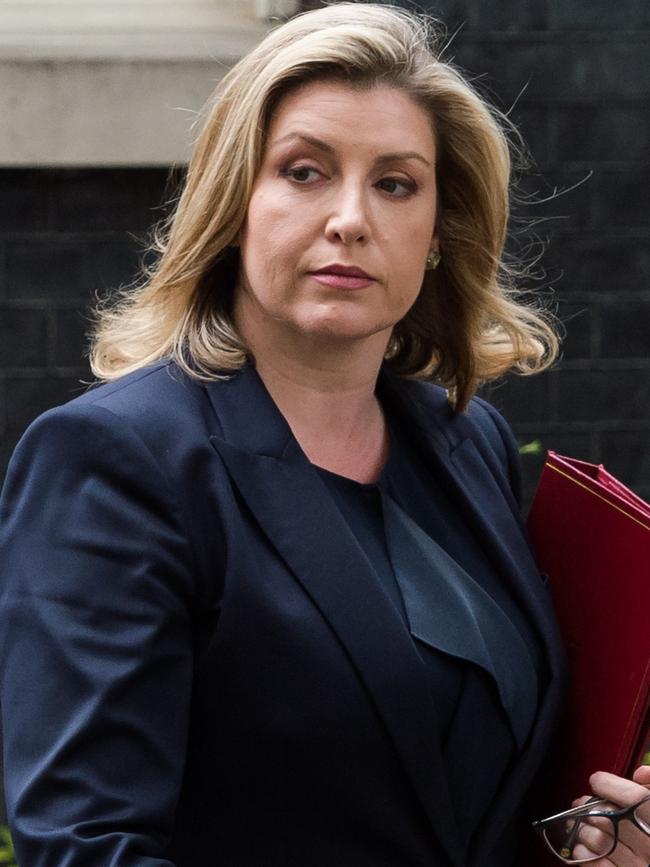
[595, 837]
[578, 802]
[633, 849]
[593, 841]
[642, 775]
[618, 789]
[634, 844]
[635, 840]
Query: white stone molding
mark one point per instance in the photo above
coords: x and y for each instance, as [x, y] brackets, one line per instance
[116, 82]
[79, 29]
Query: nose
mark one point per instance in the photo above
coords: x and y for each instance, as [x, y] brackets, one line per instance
[348, 221]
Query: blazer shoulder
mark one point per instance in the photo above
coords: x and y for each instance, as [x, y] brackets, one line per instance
[109, 430]
[151, 392]
[481, 423]
[502, 442]
[159, 403]
[143, 436]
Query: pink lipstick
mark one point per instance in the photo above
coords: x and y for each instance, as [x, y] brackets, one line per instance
[343, 276]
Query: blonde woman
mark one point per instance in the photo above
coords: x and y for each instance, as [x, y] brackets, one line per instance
[266, 596]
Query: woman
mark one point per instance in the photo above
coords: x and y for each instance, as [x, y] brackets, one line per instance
[266, 594]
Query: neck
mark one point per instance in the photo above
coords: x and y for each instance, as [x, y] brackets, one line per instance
[326, 391]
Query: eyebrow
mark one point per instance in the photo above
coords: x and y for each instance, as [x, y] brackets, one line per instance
[321, 145]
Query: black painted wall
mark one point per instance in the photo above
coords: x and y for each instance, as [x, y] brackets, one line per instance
[575, 75]
[578, 73]
[64, 234]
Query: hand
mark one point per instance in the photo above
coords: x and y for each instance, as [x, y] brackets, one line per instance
[633, 849]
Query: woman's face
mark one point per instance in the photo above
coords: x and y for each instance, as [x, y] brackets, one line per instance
[347, 179]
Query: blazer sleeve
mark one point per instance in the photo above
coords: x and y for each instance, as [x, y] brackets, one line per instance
[95, 644]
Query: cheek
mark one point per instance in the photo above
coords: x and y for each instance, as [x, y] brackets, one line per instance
[409, 240]
[410, 257]
[410, 282]
[273, 235]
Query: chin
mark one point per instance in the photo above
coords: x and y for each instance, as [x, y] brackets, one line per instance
[341, 331]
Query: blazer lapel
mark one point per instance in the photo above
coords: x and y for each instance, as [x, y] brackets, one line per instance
[477, 487]
[460, 466]
[458, 463]
[292, 506]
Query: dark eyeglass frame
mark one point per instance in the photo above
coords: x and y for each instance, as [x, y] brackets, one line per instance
[587, 810]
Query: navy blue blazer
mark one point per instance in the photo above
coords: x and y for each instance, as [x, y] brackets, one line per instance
[198, 666]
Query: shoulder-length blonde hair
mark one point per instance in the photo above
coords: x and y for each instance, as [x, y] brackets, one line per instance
[466, 326]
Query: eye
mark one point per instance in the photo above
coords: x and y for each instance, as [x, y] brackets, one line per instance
[407, 187]
[298, 173]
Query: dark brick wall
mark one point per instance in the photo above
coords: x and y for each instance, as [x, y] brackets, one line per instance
[64, 235]
[577, 71]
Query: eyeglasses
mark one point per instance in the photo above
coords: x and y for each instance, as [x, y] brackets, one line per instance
[589, 832]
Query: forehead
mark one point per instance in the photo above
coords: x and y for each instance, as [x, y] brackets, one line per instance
[380, 117]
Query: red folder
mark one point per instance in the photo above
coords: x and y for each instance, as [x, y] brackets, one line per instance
[591, 536]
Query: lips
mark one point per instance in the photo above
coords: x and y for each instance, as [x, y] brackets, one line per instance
[344, 271]
[339, 277]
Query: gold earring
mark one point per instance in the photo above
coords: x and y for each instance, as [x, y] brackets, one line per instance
[433, 260]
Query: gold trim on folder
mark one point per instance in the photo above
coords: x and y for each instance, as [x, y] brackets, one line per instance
[600, 496]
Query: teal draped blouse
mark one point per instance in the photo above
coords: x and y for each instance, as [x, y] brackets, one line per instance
[482, 657]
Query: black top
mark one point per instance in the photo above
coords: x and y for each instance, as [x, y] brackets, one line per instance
[483, 658]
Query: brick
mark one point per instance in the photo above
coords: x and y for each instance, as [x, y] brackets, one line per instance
[588, 133]
[42, 268]
[511, 15]
[28, 398]
[574, 444]
[52, 268]
[529, 480]
[24, 338]
[598, 263]
[71, 341]
[625, 327]
[522, 398]
[105, 199]
[561, 70]
[6, 450]
[24, 194]
[595, 14]
[619, 199]
[604, 395]
[534, 125]
[451, 13]
[508, 15]
[578, 324]
[3, 417]
[608, 198]
[626, 454]
[113, 262]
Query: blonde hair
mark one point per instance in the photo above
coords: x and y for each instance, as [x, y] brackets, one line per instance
[467, 325]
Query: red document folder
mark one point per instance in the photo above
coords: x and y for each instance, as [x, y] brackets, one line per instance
[591, 536]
